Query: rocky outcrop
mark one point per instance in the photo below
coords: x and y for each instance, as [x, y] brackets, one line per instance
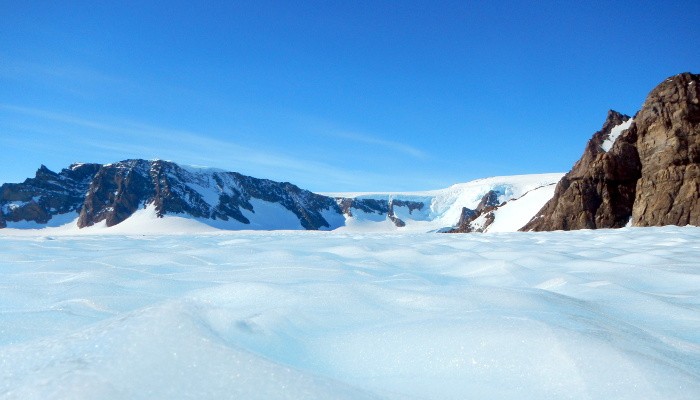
[487, 204]
[116, 191]
[112, 193]
[648, 175]
[119, 189]
[307, 206]
[48, 194]
[489, 201]
[668, 131]
[378, 206]
[599, 190]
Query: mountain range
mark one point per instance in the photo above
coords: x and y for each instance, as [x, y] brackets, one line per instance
[636, 171]
[110, 195]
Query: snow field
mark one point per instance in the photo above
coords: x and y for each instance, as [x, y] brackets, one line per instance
[299, 315]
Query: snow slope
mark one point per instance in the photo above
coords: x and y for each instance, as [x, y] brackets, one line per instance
[440, 209]
[333, 315]
[443, 207]
[518, 212]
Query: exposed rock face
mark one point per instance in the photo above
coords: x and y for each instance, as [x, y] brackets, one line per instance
[485, 207]
[599, 190]
[378, 206]
[668, 130]
[490, 199]
[650, 174]
[119, 189]
[116, 191]
[38, 199]
[465, 219]
[111, 193]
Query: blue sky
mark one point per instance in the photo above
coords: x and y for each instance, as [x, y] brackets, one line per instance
[329, 95]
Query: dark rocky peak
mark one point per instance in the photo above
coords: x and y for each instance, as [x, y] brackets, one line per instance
[378, 206]
[48, 194]
[650, 174]
[488, 203]
[44, 173]
[119, 189]
[81, 172]
[613, 119]
[674, 100]
[490, 199]
[45, 179]
[115, 192]
[595, 146]
[599, 190]
[614, 126]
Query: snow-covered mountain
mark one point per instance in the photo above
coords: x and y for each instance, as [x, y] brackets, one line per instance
[497, 204]
[140, 195]
[641, 171]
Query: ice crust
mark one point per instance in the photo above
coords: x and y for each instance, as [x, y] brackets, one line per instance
[332, 315]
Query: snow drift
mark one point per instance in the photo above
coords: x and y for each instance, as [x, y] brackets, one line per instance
[303, 315]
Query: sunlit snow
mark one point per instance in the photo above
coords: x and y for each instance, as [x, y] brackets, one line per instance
[526, 194]
[615, 132]
[323, 315]
[441, 209]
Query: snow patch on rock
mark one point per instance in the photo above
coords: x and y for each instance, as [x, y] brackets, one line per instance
[615, 132]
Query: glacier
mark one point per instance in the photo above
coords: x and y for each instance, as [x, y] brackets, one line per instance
[349, 314]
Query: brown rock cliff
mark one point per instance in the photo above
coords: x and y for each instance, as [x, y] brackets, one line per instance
[599, 190]
[650, 175]
[668, 130]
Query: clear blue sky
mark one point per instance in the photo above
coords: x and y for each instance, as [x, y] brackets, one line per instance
[330, 95]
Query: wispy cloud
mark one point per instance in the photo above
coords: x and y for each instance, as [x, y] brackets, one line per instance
[13, 68]
[61, 117]
[136, 139]
[394, 146]
[329, 129]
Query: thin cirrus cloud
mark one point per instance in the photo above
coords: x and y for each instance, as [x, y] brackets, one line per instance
[325, 128]
[146, 141]
[394, 146]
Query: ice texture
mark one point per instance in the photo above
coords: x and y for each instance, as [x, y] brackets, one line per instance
[354, 315]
